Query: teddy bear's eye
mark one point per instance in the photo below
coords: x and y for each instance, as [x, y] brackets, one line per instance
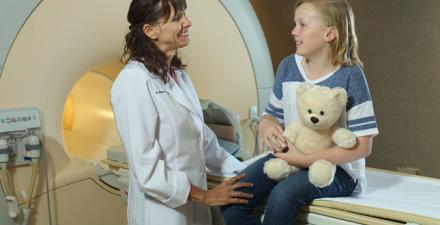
[310, 111]
[322, 113]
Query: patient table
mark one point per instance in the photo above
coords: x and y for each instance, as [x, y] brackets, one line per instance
[391, 198]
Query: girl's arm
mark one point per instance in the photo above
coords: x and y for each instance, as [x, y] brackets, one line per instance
[335, 155]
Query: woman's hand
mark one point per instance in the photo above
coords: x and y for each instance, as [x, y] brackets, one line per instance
[222, 194]
[270, 134]
[293, 156]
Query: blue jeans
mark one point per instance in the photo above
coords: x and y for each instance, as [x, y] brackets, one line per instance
[284, 199]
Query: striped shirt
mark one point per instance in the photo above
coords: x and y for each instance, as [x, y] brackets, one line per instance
[359, 114]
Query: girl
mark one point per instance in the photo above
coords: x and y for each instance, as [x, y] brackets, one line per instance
[326, 54]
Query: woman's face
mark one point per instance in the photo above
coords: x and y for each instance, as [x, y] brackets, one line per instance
[309, 31]
[173, 33]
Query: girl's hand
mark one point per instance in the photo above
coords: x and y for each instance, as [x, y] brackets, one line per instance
[225, 193]
[270, 133]
[293, 156]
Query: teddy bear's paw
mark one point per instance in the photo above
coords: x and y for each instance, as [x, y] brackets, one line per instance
[278, 169]
[321, 173]
[344, 138]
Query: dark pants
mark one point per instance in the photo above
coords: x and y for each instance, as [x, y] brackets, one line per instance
[284, 199]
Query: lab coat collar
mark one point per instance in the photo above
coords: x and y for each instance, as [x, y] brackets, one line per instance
[181, 91]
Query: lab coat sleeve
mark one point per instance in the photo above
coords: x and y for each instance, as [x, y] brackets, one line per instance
[137, 122]
[219, 160]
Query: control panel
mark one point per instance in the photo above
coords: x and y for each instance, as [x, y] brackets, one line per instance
[20, 132]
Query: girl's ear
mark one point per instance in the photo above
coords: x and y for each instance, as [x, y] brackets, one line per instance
[151, 31]
[331, 34]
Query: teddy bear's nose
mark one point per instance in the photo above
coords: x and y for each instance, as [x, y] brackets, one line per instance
[314, 120]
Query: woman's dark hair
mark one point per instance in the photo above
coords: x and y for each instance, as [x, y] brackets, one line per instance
[140, 47]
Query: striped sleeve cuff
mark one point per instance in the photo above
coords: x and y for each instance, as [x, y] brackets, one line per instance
[361, 120]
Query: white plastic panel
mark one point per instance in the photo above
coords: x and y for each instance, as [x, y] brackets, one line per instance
[247, 22]
[13, 14]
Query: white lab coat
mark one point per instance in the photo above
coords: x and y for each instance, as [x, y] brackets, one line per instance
[168, 145]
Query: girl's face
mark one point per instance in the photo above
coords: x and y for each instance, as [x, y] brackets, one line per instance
[174, 33]
[310, 31]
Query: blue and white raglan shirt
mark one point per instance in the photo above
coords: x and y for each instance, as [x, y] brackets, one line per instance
[358, 117]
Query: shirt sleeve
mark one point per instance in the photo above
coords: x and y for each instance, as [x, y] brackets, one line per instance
[361, 119]
[137, 122]
[218, 160]
[275, 105]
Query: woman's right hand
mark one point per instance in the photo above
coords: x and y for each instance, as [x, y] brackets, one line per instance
[223, 194]
[270, 133]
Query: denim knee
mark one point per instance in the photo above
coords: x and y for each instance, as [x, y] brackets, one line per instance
[287, 198]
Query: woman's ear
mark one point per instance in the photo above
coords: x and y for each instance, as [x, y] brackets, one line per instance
[331, 34]
[151, 31]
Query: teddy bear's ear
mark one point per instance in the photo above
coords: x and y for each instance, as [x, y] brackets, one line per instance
[341, 94]
[303, 88]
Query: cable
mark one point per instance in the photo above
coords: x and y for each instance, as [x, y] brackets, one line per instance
[43, 156]
[4, 158]
[4, 179]
[27, 204]
[9, 182]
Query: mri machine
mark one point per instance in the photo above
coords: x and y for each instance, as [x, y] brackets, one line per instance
[59, 57]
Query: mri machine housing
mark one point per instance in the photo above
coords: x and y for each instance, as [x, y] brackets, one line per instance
[46, 46]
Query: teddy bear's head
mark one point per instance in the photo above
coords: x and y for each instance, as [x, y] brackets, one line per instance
[320, 107]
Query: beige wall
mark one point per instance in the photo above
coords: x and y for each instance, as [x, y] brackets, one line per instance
[398, 44]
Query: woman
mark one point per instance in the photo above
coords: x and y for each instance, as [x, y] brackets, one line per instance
[160, 122]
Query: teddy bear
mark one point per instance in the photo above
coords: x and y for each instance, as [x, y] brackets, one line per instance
[319, 110]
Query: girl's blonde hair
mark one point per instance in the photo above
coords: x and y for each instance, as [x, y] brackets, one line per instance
[338, 13]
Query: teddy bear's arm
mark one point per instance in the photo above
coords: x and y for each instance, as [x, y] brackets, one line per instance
[291, 131]
[343, 138]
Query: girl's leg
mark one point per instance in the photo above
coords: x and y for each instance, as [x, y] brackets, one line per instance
[262, 185]
[291, 194]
